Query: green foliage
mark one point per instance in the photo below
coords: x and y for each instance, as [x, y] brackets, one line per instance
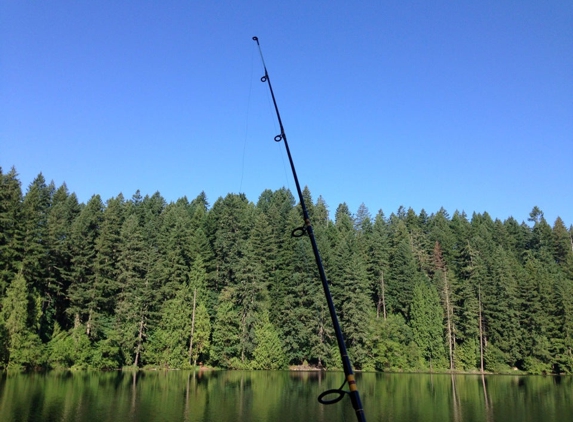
[426, 320]
[85, 293]
[268, 353]
[391, 339]
[536, 366]
[225, 348]
[466, 355]
[403, 272]
[107, 353]
[201, 335]
[106, 285]
[11, 231]
[495, 359]
[81, 348]
[173, 332]
[60, 349]
[19, 317]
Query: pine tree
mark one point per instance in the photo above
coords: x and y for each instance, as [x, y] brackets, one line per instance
[146, 282]
[225, 345]
[419, 242]
[200, 320]
[377, 261]
[60, 349]
[168, 345]
[297, 298]
[268, 353]
[35, 208]
[469, 336]
[36, 258]
[107, 249]
[19, 317]
[542, 236]
[538, 306]
[250, 296]
[426, 316]
[64, 210]
[444, 282]
[228, 228]
[391, 338]
[403, 272]
[85, 298]
[11, 230]
[350, 290]
[264, 246]
[201, 335]
[138, 291]
[563, 247]
[355, 313]
[518, 237]
[564, 321]
[175, 253]
[501, 307]
[460, 228]
[363, 220]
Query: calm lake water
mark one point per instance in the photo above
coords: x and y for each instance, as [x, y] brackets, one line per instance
[233, 396]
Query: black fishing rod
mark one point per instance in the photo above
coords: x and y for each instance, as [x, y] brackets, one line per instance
[301, 231]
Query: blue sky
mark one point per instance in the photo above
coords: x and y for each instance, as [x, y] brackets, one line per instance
[463, 105]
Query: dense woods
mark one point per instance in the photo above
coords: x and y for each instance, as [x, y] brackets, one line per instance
[145, 283]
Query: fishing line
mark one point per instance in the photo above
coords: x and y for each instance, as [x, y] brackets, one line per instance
[271, 119]
[247, 121]
[279, 149]
[281, 154]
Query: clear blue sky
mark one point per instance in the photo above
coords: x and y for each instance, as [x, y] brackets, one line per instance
[466, 105]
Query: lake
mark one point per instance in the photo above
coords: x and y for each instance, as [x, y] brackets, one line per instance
[219, 396]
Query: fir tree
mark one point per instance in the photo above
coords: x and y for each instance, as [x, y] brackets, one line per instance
[137, 298]
[426, 316]
[19, 319]
[35, 208]
[225, 345]
[228, 228]
[85, 298]
[169, 341]
[377, 261]
[268, 353]
[146, 282]
[107, 249]
[445, 284]
[403, 272]
[11, 230]
[64, 210]
[201, 335]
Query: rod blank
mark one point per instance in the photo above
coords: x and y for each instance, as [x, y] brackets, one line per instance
[301, 231]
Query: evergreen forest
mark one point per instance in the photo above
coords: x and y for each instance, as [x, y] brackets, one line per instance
[145, 283]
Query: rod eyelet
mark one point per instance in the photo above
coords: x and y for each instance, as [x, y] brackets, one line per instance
[298, 232]
[337, 391]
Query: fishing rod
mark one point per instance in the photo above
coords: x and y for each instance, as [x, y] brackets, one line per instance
[301, 231]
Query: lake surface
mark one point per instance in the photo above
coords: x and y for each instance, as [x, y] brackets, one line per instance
[221, 396]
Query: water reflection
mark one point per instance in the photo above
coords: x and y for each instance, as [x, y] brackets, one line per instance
[276, 396]
[456, 410]
[488, 403]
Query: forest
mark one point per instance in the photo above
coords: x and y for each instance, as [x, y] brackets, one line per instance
[144, 283]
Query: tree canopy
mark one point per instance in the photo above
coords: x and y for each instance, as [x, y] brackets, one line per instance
[146, 283]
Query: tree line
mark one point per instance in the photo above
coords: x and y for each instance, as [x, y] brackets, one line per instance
[145, 283]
